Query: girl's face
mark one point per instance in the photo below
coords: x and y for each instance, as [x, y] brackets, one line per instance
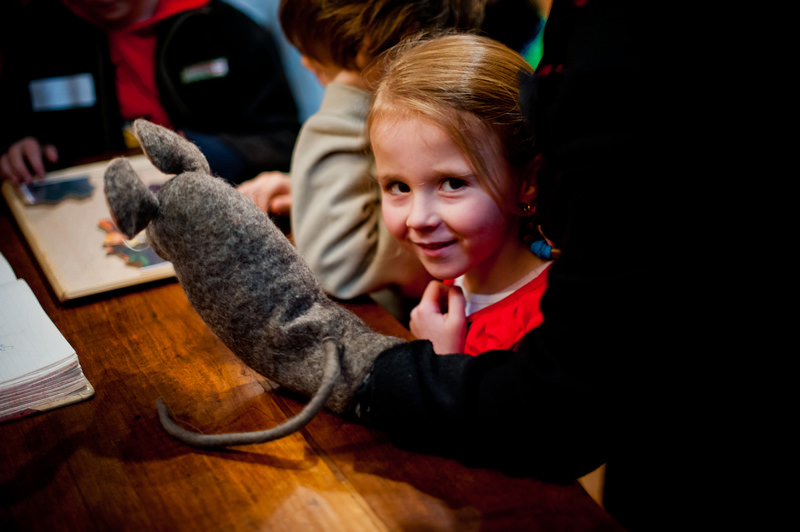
[433, 205]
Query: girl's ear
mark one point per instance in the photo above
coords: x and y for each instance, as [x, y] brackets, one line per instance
[528, 193]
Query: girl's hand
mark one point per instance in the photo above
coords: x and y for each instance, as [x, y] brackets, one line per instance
[441, 318]
[271, 191]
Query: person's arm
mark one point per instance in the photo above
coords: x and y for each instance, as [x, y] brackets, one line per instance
[337, 222]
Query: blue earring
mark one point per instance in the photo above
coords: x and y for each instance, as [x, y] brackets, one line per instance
[542, 249]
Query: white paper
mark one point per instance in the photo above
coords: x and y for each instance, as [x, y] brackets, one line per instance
[29, 341]
[7, 275]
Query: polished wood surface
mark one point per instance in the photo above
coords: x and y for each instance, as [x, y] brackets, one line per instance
[106, 464]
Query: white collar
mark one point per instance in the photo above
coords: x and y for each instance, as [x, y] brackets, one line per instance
[476, 302]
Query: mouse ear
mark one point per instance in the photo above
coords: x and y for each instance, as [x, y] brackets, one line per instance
[132, 204]
[168, 151]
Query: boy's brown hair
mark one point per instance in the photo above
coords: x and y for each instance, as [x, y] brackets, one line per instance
[336, 32]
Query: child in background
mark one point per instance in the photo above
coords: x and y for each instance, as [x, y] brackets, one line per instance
[335, 202]
[455, 167]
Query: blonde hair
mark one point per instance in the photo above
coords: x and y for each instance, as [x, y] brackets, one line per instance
[468, 85]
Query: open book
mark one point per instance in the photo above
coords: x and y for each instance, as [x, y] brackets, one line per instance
[39, 370]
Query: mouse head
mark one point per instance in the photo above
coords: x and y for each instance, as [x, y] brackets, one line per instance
[132, 204]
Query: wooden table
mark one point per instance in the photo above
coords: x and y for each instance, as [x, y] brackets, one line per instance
[106, 464]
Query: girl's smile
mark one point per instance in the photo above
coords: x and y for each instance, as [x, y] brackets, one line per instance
[433, 248]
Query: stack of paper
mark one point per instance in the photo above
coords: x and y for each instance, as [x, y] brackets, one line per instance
[39, 370]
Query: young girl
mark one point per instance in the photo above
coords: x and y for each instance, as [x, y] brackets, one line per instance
[455, 166]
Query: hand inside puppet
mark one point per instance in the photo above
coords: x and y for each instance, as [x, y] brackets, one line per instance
[245, 280]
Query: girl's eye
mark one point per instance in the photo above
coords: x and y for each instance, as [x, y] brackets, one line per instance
[452, 184]
[397, 187]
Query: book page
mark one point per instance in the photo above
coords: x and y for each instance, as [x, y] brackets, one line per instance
[7, 275]
[29, 341]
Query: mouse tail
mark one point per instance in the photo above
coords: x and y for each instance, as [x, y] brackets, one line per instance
[312, 408]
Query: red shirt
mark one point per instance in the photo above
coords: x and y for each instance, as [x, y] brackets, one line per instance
[503, 324]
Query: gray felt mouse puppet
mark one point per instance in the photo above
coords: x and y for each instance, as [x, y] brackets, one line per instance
[245, 280]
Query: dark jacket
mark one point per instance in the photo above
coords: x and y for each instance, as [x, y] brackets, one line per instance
[250, 110]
